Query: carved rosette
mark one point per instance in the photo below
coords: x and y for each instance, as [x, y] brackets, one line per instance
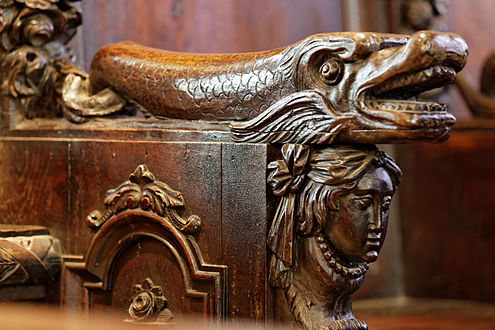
[143, 192]
[149, 304]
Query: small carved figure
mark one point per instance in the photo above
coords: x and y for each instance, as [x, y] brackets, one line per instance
[34, 58]
[417, 15]
[330, 224]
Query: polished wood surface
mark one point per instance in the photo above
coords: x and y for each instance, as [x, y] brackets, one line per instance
[450, 247]
[224, 183]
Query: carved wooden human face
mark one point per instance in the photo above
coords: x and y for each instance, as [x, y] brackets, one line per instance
[357, 229]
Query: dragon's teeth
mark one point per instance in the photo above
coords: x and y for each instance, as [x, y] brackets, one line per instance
[399, 105]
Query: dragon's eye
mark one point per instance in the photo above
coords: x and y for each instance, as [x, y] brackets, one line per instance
[331, 71]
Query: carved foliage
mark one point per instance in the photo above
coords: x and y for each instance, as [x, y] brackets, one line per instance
[143, 192]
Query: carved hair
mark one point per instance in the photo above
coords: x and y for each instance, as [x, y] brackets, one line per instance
[309, 185]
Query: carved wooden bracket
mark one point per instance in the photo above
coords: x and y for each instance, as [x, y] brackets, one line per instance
[329, 225]
[141, 213]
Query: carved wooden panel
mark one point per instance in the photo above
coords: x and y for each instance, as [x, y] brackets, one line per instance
[33, 185]
[140, 238]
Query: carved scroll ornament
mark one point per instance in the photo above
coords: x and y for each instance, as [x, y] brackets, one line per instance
[143, 192]
[330, 224]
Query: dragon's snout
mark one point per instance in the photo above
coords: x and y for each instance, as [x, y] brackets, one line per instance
[389, 84]
[446, 49]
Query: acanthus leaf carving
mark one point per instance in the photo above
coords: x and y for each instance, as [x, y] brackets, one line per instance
[143, 191]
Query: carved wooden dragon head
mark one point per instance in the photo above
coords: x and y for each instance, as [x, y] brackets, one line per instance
[362, 88]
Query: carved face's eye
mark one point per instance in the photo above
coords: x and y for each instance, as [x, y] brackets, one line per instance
[386, 203]
[365, 202]
[331, 71]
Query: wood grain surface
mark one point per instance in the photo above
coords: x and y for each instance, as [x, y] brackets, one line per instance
[215, 26]
[447, 210]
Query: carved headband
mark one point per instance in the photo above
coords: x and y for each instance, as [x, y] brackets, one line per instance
[327, 166]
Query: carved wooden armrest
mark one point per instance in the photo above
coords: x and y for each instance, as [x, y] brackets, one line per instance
[327, 88]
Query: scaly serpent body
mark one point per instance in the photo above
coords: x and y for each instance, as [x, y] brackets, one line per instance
[195, 86]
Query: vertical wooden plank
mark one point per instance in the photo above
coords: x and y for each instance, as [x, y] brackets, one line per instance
[195, 170]
[33, 185]
[244, 228]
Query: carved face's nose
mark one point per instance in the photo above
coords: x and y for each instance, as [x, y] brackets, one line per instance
[375, 224]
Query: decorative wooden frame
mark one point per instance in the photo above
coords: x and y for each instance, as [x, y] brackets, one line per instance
[156, 221]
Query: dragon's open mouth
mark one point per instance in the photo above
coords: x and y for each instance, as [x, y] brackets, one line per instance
[400, 92]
